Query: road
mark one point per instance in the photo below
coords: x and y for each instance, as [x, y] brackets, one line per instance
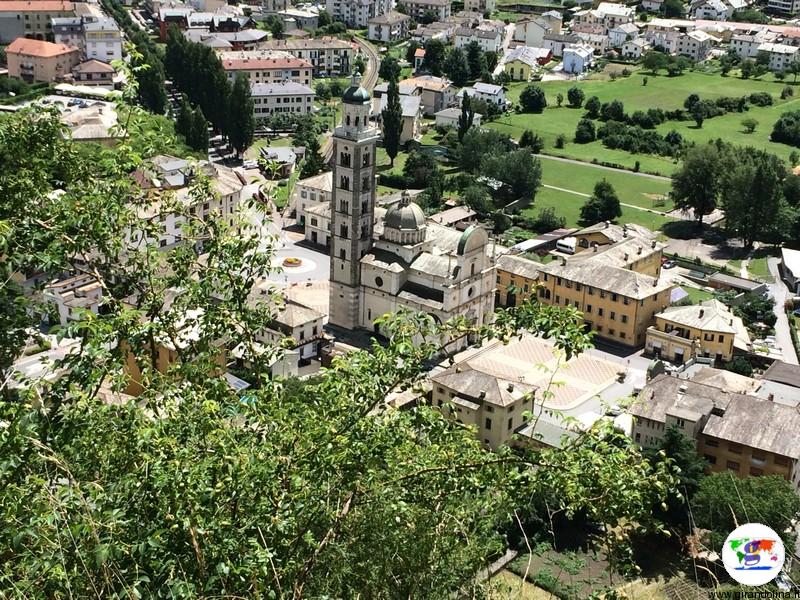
[780, 293]
[368, 81]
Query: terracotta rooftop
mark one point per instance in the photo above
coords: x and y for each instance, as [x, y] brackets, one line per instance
[36, 6]
[37, 47]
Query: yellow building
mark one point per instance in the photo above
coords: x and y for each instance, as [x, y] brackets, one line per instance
[617, 303]
[31, 18]
[516, 279]
[709, 329]
[735, 432]
[524, 61]
[491, 389]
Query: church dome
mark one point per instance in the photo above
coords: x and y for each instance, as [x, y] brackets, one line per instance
[405, 216]
[356, 94]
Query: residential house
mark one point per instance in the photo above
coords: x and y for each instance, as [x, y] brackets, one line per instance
[389, 27]
[266, 67]
[224, 41]
[790, 269]
[588, 21]
[495, 388]
[480, 6]
[516, 280]
[578, 59]
[635, 49]
[458, 216]
[786, 7]
[318, 224]
[734, 432]
[31, 18]
[531, 32]
[664, 33]
[435, 31]
[614, 14]
[523, 62]
[357, 13]
[490, 40]
[35, 60]
[412, 116]
[436, 92]
[620, 34]
[556, 42]
[327, 55]
[597, 42]
[488, 92]
[283, 97]
[418, 8]
[67, 31]
[102, 39]
[695, 44]
[94, 72]
[781, 56]
[419, 58]
[745, 45]
[294, 18]
[72, 297]
[554, 19]
[712, 10]
[448, 117]
[311, 192]
[652, 6]
[605, 234]
[709, 329]
[282, 160]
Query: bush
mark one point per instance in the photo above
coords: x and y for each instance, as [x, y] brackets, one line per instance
[787, 92]
[761, 99]
[575, 96]
[393, 180]
[787, 129]
[739, 365]
[585, 132]
[532, 99]
[612, 111]
[634, 139]
[593, 107]
[561, 140]
[531, 140]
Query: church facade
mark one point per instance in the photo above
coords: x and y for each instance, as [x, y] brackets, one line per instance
[413, 264]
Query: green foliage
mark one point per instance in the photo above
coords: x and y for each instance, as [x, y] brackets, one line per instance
[585, 132]
[787, 129]
[749, 124]
[739, 365]
[467, 116]
[478, 199]
[241, 123]
[532, 99]
[478, 143]
[603, 204]
[531, 140]
[519, 170]
[455, 66]
[389, 69]
[360, 64]
[723, 501]
[593, 107]
[696, 185]
[421, 169]
[476, 60]
[654, 61]
[392, 121]
[434, 57]
[411, 49]
[575, 96]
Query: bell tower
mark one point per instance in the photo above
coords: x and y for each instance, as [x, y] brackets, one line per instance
[352, 203]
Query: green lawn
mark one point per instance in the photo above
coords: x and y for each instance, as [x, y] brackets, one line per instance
[631, 188]
[697, 295]
[660, 91]
[569, 206]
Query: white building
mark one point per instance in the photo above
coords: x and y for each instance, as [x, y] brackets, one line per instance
[664, 33]
[532, 32]
[311, 192]
[98, 37]
[790, 269]
[745, 45]
[266, 67]
[480, 6]
[695, 44]
[284, 97]
[488, 40]
[788, 7]
[578, 59]
[357, 13]
[556, 42]
[449, 118]
[492, 94]
[615, 14]
[73, 296]
[327, 55]
[389, 27]
[780, 55]
[635, 48]
[417, 8]
[620, 34]
[712, 10]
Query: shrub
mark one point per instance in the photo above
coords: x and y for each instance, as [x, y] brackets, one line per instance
[787, 92]
[575, 96]
[561, 139]
[585, 132]
[761, 99]
[532, 99]
[787, 129]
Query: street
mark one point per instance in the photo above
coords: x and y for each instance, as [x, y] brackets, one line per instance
[780, 293]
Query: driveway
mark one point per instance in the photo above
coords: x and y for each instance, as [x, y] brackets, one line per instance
[780, 293]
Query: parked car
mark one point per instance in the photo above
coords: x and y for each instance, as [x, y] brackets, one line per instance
[669, 264]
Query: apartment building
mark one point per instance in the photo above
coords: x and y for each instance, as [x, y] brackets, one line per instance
[283, 97]
[787, 7]
[488, 92]
[389, 27]
[417, 8]
[479, 6]
[411, 116]
[35, 60]
[709, 330]
[357, 13]
[745, 45]
[781, 56]
[71, 297]
[94, 72]
[489, 40]
[310, 192]
[517, 278]
[694, 44]
[735, 432]
[31, 18]
[266, 67]
[327, 55]
[102, 39]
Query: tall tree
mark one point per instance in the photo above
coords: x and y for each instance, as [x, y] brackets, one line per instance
[389, 69]
[532, 99]
[475, 59]
[603, 205]
[752, 174]
[313, 163]
[392, 121]
[241, 120]
[467, 116]
[456, 68]
[697, 183]
[434, 57]
[199, 130]
[149, 74]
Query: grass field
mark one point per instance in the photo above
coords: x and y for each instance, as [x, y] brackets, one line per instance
[660, 91]
[697, 295]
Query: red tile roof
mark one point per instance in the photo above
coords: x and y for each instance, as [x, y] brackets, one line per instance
[38, 48]
[36, 6]
[236, 64]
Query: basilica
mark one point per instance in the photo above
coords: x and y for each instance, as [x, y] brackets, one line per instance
[412, 263]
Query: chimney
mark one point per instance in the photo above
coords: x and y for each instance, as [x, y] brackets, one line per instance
[594, 247]
[653, 244]
[682, 388]
[626, 256]
[606, 224]
[702, 312]
[563, 261]
[639, 250]
[482, 394]
[771, 397]
[510, 387]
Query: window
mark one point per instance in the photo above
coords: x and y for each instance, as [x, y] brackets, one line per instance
[622, 334]
[510, 423]
[315, 330]
[613, 297]
[721, 338]
[600, 312]
[612, 331]
[613, 316]
[489, 408]
[558, 299]
[602, 294]
[588, 308]
[591, 290]
[343, 230]
[578, 287]
[681, 423]
[343, 254]
[734, 448]
[558, 280]
[488, 423]
[732, 465]
[302, 334]
[379, 281]
[625, 300]
[712, 443]
[712, 460]
[638, 436]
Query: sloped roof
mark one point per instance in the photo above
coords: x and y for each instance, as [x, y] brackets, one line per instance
[518, 265]
[609, 278]
[38, 48]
